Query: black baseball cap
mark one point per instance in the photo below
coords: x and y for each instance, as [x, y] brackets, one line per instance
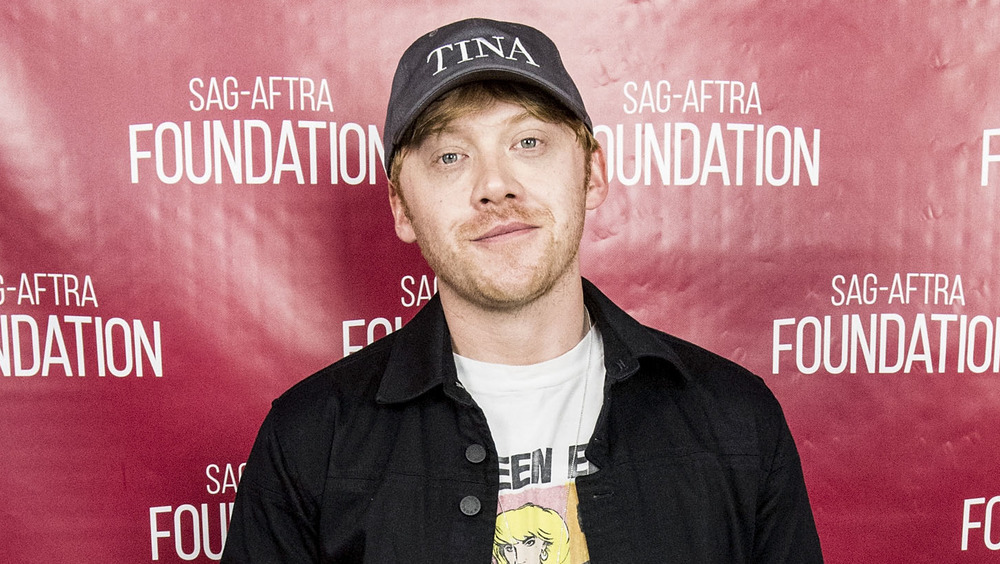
[469, 51]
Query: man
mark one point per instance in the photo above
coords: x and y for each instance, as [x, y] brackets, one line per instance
[520, 384]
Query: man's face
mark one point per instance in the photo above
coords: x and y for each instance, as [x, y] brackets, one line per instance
[496, 202]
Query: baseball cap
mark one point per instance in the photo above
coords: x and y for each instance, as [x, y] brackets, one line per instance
[468, 51]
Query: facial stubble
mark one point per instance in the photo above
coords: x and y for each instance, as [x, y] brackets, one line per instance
[463, 268]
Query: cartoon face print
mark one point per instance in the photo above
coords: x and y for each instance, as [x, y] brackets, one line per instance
[531, 534]
[531, 550]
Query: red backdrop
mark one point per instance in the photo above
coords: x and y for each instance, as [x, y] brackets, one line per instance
[193, 217]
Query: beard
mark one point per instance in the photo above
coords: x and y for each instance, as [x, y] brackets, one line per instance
[506, 276]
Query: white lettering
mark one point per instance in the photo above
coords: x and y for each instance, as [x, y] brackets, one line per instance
[254, 152]
[192, 525]
[988, 156]
[376, 328]
[122, 348]
[776, 153]
[888, 343]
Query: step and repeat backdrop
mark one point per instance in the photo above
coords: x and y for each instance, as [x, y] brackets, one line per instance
[193, 217]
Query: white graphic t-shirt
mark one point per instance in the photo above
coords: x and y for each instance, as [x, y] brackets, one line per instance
[541, 417]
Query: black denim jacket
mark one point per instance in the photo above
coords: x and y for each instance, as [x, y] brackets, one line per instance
[369, 460]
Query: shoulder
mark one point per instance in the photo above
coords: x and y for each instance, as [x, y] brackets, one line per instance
[325, 395]
[705, 368]
[717, 385]
[697, 376]
[295, 440]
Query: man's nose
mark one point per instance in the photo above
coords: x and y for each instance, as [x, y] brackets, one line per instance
[495, 182]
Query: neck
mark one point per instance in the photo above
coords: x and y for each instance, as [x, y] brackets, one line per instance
[539, 331]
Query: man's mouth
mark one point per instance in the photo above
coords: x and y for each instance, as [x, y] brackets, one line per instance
[505, 229]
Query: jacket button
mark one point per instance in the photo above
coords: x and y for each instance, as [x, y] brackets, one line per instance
[470, 505]
[475, 454]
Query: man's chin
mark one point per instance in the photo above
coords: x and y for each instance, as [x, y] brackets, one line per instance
[505, 295]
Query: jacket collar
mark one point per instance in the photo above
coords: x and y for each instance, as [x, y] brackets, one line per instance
[421, 357]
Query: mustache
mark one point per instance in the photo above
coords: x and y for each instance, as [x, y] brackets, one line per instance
[515, 212]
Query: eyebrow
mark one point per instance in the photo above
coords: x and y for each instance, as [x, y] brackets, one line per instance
[525, 115]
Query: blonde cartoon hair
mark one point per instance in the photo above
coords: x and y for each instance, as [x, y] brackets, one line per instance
[532, 521]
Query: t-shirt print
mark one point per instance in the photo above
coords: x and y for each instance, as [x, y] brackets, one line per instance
[539, 526]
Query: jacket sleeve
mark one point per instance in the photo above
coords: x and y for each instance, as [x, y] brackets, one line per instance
[273, 517]
[785, 530]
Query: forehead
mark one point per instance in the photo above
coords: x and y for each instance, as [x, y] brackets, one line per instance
[497, 116]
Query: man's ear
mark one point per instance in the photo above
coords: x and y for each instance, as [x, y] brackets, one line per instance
[400, 215]
[597, 187]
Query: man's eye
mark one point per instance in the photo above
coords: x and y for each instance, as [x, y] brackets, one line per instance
[529, 143]
[449, 158]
